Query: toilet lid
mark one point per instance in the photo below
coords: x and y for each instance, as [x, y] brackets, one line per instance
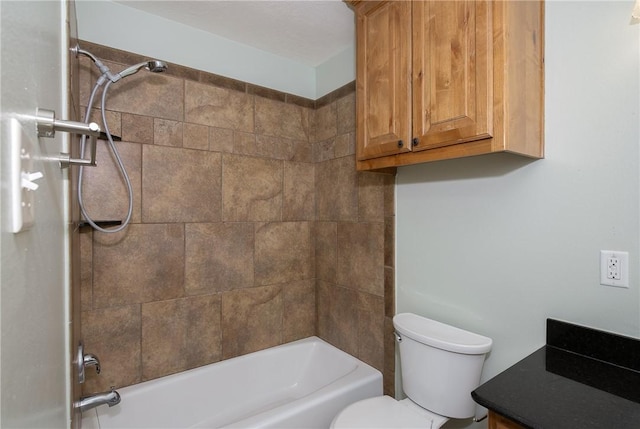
[385, 412]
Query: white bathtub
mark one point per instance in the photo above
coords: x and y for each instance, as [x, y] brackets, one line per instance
[302, 384]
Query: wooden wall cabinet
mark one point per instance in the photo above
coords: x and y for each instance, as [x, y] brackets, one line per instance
[448, 79]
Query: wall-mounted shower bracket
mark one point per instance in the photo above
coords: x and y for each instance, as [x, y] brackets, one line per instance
[47, 125]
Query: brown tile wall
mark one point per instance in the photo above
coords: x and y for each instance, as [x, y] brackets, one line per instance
[250, 228]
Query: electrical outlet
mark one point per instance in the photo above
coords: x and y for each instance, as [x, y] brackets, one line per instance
[614, 268]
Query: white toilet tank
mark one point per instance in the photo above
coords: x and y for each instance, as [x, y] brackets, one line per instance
[440, 364]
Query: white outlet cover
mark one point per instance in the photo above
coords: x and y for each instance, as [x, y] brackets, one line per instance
[623, 259]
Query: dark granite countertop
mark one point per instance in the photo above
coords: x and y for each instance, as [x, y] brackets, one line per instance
[583, 378]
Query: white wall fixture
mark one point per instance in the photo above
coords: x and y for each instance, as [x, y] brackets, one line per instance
[614, 268]
[22, 178]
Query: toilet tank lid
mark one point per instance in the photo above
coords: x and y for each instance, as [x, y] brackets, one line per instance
[440, 335]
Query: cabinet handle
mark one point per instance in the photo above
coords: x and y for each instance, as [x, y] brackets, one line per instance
[415, 141]
[400, 143]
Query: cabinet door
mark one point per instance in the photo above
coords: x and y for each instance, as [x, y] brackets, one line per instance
[496, 421]
[452, 72]
[383, 79]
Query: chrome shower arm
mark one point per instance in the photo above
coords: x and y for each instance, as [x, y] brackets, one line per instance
[104, 70]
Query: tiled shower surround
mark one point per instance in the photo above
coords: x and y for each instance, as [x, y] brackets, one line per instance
[251, 227]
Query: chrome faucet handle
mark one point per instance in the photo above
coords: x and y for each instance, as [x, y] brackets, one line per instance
[84, 360]
[79, 362]
[91, 360]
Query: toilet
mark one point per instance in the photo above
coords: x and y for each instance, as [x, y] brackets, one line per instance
[440, 366]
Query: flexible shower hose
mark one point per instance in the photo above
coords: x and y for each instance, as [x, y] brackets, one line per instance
[112, 145]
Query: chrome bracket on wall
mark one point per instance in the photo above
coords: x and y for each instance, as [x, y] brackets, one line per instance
[47, 125]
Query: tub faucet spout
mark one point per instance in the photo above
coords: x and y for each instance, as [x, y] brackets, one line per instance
[110, 398]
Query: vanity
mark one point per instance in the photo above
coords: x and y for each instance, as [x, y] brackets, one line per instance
[582, 378]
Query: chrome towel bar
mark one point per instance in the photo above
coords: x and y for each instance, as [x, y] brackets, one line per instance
[47, 125]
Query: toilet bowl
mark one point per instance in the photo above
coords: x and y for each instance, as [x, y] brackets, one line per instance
[386, 412]
[440, 366]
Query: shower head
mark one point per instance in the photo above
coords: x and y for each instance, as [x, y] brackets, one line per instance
[154, 66]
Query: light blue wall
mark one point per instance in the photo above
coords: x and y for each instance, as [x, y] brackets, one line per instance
[336, 71]
[497, 244]
[118, 26]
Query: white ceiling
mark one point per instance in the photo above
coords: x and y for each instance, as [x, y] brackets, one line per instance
[308, 31]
